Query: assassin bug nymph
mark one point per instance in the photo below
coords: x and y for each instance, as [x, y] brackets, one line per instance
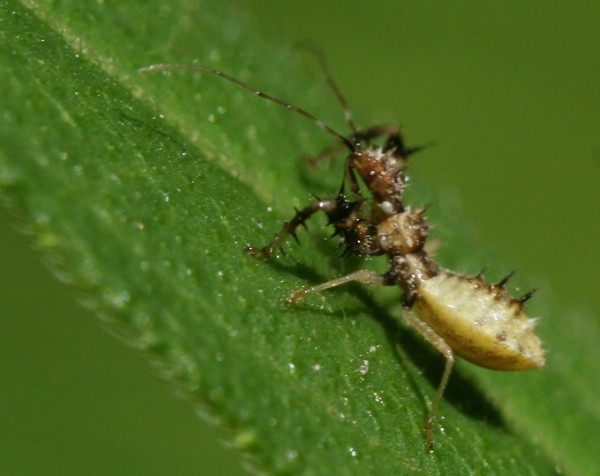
[456, 314]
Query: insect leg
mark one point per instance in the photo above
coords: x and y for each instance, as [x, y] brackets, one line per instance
[394, 141]
[440, 344]
[373, 132]
[361, 276]
[328, 153]
[289, 227]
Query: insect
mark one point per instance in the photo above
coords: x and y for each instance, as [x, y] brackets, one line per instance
[456, 314]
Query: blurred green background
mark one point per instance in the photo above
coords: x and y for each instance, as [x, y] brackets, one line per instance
[508, 91]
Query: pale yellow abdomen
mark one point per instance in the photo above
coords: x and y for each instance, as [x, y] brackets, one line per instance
[481, 323]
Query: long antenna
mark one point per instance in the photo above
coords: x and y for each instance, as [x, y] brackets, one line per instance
[318, 52]
[163, 67]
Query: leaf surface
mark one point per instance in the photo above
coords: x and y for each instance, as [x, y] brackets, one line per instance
[145, 190]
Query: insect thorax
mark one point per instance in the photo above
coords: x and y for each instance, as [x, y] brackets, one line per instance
[383, 174]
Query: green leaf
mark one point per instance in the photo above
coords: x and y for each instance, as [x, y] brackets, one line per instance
[145, 189]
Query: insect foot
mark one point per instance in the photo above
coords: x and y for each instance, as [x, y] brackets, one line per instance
[457, 315]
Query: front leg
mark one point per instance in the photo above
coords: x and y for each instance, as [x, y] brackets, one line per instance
[289, 227]
[362, 276]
